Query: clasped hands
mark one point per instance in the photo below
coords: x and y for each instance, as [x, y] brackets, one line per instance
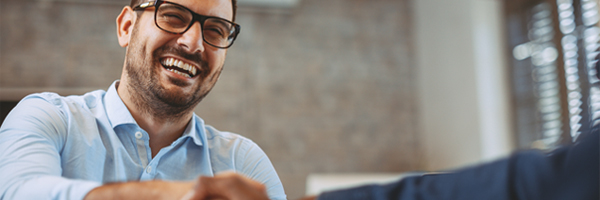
[228, 186]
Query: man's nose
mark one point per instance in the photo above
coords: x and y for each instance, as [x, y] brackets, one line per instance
[192, 39]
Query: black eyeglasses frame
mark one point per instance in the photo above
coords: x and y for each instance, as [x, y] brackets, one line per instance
[195, 17]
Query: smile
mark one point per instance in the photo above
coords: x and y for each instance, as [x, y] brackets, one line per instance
[179, 67]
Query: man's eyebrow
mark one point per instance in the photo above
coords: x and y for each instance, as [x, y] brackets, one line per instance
[222, 22]
[170, 6]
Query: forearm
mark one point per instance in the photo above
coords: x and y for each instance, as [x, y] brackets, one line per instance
[566, 173]
[229, 185]
[141, 190]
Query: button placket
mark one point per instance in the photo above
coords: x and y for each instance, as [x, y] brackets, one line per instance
[141, 148]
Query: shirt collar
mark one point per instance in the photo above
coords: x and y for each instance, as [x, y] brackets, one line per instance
[117, 112]
[195, 130]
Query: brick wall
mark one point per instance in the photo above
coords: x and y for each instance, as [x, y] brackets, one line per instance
[325, 87]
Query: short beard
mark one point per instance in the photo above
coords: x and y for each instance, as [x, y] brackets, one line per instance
[145, 89]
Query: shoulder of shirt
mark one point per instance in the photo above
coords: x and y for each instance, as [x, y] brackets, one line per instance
[88, 100]
[213, 134]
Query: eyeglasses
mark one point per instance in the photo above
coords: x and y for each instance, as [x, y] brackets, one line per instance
[177, 19]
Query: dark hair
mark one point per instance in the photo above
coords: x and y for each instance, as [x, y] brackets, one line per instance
[233, 3]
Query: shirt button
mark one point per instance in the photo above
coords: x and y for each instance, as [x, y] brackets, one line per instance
[138, 135]
[148, 169]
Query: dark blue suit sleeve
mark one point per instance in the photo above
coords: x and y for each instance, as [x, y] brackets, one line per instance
[567, 173]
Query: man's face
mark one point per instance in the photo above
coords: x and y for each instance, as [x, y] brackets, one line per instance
[157, 61]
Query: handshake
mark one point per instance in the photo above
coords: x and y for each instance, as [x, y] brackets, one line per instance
[223, 186]
[228, 186]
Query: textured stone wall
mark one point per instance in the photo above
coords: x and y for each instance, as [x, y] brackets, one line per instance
[59, 43]
[325, 87]
[328, 87]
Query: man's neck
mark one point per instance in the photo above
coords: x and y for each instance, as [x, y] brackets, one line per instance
[162, 133]
[162, 130]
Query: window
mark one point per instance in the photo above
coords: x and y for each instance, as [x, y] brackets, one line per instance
[554, 44]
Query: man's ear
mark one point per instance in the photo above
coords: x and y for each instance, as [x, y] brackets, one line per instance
[125, 22]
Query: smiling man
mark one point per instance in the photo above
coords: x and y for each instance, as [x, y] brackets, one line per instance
[140, 138]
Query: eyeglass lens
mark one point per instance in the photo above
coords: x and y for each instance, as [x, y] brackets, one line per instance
[176, 19]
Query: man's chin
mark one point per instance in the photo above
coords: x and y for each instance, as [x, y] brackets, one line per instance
[179, 93]
[176, 99]
[179, 82]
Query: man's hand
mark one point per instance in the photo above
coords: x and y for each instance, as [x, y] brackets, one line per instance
[229, 185]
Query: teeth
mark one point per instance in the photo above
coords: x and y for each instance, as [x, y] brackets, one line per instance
[180, 73]
[178, 63]
[193, 70]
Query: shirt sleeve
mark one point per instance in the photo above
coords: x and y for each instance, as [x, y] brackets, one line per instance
[31, 139]
[566, 173]
[256, 165]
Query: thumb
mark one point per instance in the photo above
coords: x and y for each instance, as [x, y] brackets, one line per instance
[195, 192]
[189, 195]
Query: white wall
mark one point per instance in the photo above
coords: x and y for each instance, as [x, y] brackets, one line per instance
[462, 82]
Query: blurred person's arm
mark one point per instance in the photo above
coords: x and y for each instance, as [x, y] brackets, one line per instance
[566, 173]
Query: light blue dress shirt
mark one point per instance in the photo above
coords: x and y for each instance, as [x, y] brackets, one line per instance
[54, 147]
